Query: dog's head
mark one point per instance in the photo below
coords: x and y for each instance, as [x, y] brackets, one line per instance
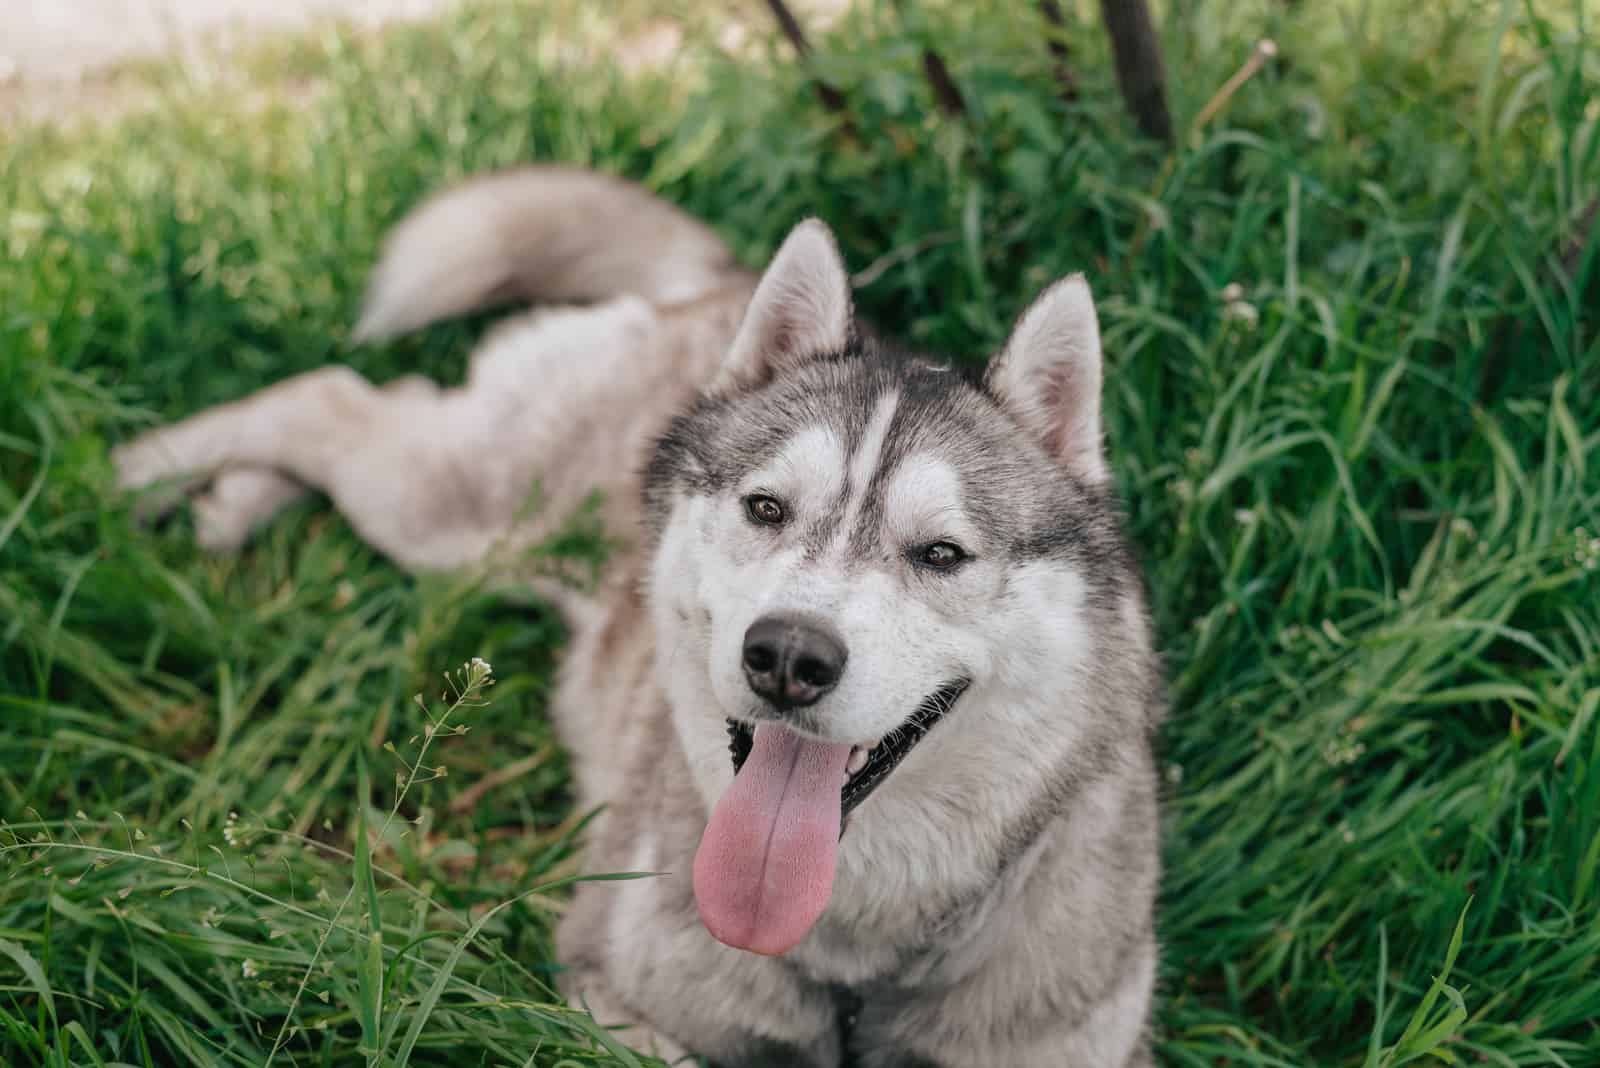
[848, 542]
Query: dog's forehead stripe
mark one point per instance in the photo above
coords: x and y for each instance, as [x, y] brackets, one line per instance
[866, 459]
[922, 421]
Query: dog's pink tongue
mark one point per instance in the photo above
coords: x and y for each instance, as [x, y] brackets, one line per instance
[764, 870]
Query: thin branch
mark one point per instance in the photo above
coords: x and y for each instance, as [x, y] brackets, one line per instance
[1140, 71]
[1264, 50]
[790, 27]
[1060, 54]
[831, 98]
[945, 93]
[944, 88]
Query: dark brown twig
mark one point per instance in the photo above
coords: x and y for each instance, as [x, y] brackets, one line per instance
[1060, 54]
[831, 98]
[945, 93]
[944, 88]
[1140, 71]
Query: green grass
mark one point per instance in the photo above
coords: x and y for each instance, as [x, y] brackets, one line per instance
[1370, 518]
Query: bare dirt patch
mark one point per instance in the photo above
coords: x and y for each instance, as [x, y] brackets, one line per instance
[63, 59]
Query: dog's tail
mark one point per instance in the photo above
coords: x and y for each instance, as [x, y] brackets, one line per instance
[538, 233]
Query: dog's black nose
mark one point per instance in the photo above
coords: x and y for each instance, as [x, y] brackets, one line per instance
[792, 660]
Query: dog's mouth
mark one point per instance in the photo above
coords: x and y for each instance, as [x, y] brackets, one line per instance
[764, 871]
[868, 767]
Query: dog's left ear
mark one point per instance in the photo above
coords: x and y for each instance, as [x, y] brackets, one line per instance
[800, 311]
[1049, 376]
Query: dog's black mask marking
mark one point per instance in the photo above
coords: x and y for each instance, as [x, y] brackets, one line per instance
[885, 757]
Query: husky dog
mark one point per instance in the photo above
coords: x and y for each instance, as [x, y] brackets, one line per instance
[871, 679]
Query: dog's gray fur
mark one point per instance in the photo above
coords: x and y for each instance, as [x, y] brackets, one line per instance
[994, 897]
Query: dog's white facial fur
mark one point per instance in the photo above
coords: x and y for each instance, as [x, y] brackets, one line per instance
[910, 630]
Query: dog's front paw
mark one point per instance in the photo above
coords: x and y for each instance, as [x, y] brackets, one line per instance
[146, 467]
[237, 503]
[228, 504]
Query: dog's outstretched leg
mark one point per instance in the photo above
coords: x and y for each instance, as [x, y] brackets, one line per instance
[401, 479]
[238, 501]
[296, 425]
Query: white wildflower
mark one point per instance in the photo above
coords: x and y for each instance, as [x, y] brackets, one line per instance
[1241, 311]
[1340, 752]
[1235, 309]
[248, 968]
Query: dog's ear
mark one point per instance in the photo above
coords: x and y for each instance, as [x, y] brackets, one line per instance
[1049, 376]
[800, 311]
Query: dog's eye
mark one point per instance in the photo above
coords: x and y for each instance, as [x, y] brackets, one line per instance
[941, 555]
[765, 510]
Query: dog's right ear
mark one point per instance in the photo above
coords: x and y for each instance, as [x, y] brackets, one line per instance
[801, 311]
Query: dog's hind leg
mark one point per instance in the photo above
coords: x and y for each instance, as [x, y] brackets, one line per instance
[400, 478]
[558, 410]
[241, 500]
[260, 431]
